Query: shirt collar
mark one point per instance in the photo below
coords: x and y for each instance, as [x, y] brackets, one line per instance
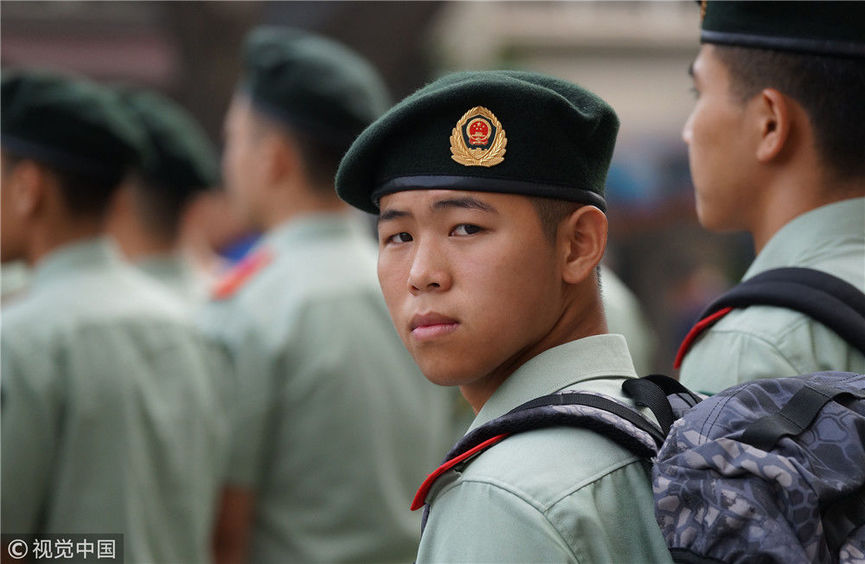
[599, 356]
[169, 265]
[72, 258]
[804, 240]
[313, 227]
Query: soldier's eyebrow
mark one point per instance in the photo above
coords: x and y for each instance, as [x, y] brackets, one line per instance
[465, 202]
[390, 215]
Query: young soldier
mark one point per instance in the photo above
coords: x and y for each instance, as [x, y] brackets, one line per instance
[150, 210]
[777, 148]
[489, 189]
[335, 423]
[111, 420]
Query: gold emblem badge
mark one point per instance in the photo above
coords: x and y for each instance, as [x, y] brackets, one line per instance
[703, 9]
[478, 139]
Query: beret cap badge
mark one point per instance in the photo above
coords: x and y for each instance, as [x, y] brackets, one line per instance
[478, 139]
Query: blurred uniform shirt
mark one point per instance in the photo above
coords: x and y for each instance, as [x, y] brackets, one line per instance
[14, 276]
[174, 272]
[769, 342]
[625, 316]
[110, 420]
[336, 426]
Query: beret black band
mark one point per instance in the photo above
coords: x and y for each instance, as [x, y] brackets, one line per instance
[61, 159]
[486, 184]
[814, 46]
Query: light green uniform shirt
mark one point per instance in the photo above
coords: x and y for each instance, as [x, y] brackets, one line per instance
[176, 274]
[550, 495]
[770, 342]
[336, 424]
[625, 316]
[13, 280]
[110, 420]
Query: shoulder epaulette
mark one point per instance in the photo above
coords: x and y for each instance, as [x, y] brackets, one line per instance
[240, 274]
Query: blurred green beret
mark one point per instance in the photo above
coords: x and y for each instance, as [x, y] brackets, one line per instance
[819, 28]
[179, 155]
[69, 123]
[496, 131]
[312, 84]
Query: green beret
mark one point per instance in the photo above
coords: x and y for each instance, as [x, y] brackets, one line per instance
[312, 84]
[72, 124]
[819, 28]
[496, 131]
[179, 155]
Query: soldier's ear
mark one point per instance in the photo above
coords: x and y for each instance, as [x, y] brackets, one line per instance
[582, 240]
[28, 183]
[774, 113]
[283, 157]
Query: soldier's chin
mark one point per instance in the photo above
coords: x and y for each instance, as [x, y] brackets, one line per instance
[443, 372]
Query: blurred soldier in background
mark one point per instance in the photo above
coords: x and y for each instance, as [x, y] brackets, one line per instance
[777, 148]
[335, 423]
[152, 209]
[625, 316]
[110, 420]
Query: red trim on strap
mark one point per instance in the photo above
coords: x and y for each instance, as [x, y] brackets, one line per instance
[696, 331]
[242, 272]
[420, 496]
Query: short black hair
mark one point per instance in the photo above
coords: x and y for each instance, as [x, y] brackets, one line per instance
[160, 208]
[551, 212]
[84, 195]
[320, 160]
[830, 89]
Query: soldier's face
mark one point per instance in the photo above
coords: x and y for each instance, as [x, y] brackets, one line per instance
[471, 282]
[719, 147]
[242, 168]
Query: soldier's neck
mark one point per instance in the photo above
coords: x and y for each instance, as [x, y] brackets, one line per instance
[45, 239]
[289, 205]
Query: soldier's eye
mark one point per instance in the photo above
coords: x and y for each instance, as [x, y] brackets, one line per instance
[466, 229]
[401, 237]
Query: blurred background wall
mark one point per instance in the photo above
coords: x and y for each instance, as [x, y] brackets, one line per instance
[633, 54]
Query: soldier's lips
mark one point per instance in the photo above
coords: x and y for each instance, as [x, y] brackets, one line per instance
[432, 325]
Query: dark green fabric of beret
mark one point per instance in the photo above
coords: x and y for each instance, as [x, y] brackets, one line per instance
[70, 123]
[510, 132]
[180, 157]
[820, 28]
[312, 84]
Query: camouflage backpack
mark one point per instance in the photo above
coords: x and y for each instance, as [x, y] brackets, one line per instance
[768, 471]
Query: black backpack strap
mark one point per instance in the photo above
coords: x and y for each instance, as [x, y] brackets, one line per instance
[652, 392]
[825, 298]
[795, 416]
[598, 402]
[627, 428]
